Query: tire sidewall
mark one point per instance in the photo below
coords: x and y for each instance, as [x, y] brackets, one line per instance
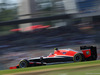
[80, 57]
[26, 62]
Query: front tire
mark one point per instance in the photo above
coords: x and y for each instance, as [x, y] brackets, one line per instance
[24, 63]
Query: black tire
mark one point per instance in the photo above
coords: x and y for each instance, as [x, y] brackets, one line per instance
[24, 63]
[78, 57]
[83, 58]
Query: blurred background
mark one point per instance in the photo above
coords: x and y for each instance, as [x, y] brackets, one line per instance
[34, 39]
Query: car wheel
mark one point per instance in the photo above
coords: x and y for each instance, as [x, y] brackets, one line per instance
[78, 57]
[24, 63]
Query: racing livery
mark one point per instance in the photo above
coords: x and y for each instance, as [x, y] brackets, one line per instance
[87, 53]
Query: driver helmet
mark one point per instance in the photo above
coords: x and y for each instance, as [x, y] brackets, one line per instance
[55, 48]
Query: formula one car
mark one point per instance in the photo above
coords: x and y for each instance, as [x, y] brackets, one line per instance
[61, 55]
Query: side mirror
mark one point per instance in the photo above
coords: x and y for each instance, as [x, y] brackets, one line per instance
[51, 54]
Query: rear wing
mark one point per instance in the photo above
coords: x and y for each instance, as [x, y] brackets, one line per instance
[90, 52]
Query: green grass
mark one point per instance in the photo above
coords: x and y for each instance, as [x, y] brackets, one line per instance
[79, 71]
[49, 67]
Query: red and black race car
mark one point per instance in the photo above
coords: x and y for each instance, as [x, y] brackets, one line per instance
[87, 53]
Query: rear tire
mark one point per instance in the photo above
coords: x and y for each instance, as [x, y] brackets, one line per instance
[24, 63]
[83, 58]
[78, 57]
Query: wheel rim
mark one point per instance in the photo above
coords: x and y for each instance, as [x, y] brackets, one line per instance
[77, 58]
[22, 64]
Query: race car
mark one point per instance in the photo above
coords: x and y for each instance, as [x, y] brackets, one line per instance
[87, 53]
